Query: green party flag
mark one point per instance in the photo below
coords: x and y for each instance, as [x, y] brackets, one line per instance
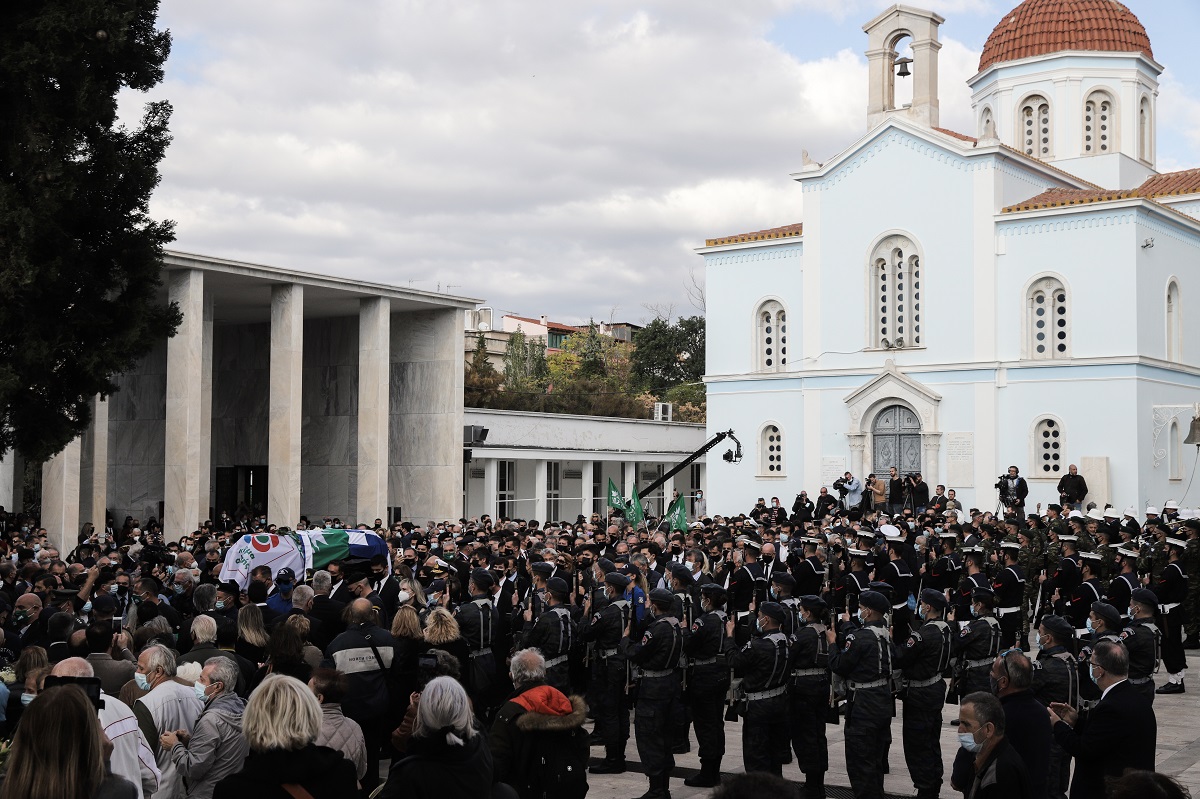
[615, 500]
[677, 515]
[634, 512]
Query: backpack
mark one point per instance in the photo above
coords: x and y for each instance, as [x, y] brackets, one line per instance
[553, 764]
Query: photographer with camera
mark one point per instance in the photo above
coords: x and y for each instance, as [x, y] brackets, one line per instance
[850, 490]
[802, 509]
[917, 492]
[876, 494]
[1013, 490]
[825, 503]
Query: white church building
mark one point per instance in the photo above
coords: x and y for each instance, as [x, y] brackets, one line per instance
[954, 304]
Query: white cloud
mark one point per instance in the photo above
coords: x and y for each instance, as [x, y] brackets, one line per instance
[552, 157]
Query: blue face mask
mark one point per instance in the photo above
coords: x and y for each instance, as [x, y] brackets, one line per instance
[1090, 628]
[27, 698]
[1037, 639]
[141, 681]
[87, 606]
[860, 618]
[974, 612]
[967, 741]
[220, 604]
[921, 612]
[199, 689]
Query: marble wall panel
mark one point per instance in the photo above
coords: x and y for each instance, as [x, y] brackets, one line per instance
[425, 439]
[326, 440]
[426, 336]
[424, 387]
[326, 491]
[120, 490]
[137, 433]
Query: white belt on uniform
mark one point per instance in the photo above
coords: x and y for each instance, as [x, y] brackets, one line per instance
[1169, 607]
[1006, 611]
[901, 605]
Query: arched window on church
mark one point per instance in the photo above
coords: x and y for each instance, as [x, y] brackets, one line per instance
[1145, 150]
[1099, 124]
[1049, 318]
[771, 337]
[1048, 448]
[1174, 323]
[1037, 131]
[896, 282]
[770, 451]
[987, 125]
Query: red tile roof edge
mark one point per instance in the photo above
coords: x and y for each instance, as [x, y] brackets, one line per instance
[787, 231]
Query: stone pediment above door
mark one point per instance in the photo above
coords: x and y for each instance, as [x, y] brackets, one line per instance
[892, 387]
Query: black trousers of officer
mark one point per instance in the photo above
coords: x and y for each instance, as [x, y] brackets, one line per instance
[559, 675]
[681, 722]
[868, 737]
[809, 701]
[765, 735]
[1059, 775]
[657, 699]
[901, 624]
[706, 703]
[922, 730]
[612, 713]
[1010, 628]
[976, 679]
[1174, 659]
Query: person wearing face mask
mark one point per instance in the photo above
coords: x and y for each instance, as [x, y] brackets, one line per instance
[1143, 639]
[603, 629]
[809, 572]
[479, 625]
[763, 665]
[1056, 680]
[1103, 624]
[925, 656]
[808, 702]
[1025, 720]
[999, 772]
[1118, 734]
[866, 660]
[896, 573]
[215, 747]
[660, 688]
[976, 644]
[280, 601]
[1009, 585]
[705, 644]
[167, 706]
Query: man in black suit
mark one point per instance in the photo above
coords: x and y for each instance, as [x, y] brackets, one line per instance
[1118, 734]
[339, 589]
[326, 610]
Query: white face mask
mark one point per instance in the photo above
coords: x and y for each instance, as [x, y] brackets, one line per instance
[967, 741]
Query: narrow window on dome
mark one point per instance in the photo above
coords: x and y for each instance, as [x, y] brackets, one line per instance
[1099, 124]
[1037, 133]
[1174, 324]
[1049, 320]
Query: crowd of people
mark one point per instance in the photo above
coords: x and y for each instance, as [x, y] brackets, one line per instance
[473, 657]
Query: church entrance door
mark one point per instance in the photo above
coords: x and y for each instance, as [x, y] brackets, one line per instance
[896, 439]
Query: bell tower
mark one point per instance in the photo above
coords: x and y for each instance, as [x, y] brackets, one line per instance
[884, 34]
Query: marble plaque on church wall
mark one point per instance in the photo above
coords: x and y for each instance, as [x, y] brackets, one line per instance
[960, 460]
[832, 469]
[1095, 473]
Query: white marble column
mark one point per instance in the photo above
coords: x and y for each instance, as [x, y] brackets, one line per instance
[589, 477]
[491, 488]
[374, 370]
[206, 398]
[93, 468]
[540, 468]
[8, 473]
[60, 498]
[283, 446]
[858, 448]
[186, 435]
[630, 479]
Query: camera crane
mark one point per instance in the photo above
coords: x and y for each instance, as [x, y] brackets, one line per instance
[730, 456]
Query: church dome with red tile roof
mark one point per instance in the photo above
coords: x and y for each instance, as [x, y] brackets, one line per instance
[1040, 27]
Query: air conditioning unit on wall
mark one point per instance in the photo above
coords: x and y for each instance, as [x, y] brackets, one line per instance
[662, 411]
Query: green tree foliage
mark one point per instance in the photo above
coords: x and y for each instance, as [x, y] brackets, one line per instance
[80, 259]
[482, 382]
[667, 354]
[525, 368]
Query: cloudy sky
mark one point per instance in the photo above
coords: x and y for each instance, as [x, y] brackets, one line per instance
[550, 156]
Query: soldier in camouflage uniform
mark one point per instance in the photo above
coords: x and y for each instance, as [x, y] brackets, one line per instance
[1030, 560]
[1191, 561]
[1108, 554]
[1153, 558]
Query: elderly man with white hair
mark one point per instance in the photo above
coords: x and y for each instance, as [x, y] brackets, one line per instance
[215, 747]
[167, 707]
[131, 757]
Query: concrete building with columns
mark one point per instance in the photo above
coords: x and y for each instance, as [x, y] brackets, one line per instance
[283, 391]
[556, 466]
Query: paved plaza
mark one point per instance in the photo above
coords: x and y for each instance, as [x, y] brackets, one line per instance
[1178, 752]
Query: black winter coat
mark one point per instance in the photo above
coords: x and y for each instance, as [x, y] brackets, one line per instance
[322, 771]
[436, 770]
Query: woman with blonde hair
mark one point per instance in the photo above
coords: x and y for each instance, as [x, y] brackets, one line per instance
[281, 723]
[447, 756]
[441, 632]
[58, 752]
[252, 638]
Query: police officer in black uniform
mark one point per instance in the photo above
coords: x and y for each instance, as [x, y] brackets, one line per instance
[1143, 639]
[782, 590]
[865, 660]
[705, 645]
[854, 582]
[479, 623]
[610, 673]
[976, 645]
[925, 659]
[763, 666]
[746, 587]
[972, 578]
[1056, 679]
[810, 694]
[553, 633]
[809, 572]
[1103, 623]
[896, 573]
[660, 690]
[684, 587]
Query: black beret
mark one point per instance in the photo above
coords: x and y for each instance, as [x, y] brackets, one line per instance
[1111, 616]
[714, 591]
[483, 578]
[558, 586]
[813, 602]
[543, 567]
[983, 592]
[784, 579]
[606, 565]
[933, 598]
[617, 579]
[773, 610]
[1145, 596]
[681, 572]
[874, 600]
[661, 596]
[1062, 630]
[436, 586]
[883, 589]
